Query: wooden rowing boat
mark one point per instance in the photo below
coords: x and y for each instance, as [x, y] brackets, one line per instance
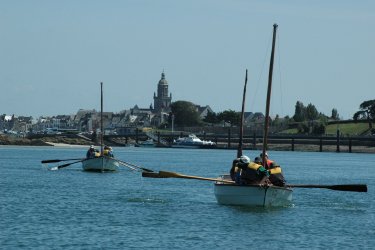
[251, 195]
[101, 163]
[254, 195]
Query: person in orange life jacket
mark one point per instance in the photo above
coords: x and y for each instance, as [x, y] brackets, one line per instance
[268, 161]
[251, 172]
[276, 176]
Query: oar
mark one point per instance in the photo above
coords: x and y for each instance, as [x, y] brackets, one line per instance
[133, 165]
[134, 169]
[165, 174]
[342, 187]
[67, 164]
[57, 160]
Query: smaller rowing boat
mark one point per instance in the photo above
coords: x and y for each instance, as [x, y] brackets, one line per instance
[100, 164]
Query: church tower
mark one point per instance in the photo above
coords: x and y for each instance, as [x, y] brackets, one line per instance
[161, 101]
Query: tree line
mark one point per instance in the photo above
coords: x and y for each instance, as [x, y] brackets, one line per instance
[307, 119]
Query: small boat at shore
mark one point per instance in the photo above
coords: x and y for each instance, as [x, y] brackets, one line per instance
[147, 143]
[192, 141]
[251, 195]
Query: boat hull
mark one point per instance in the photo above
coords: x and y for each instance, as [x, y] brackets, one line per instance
[193, 146]
[232, 194]
[100, 164]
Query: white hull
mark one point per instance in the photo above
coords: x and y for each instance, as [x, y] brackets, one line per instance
[192, 141]
[100, 164]
[184, 146]
[232, 194]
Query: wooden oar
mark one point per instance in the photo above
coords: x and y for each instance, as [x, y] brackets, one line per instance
[127, 164]
[341, 187]
[165, 174]
[57, 160]
[67, 164]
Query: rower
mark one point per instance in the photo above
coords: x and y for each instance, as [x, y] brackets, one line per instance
[251, 172]
[275, 173]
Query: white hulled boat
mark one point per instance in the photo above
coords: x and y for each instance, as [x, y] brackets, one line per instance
[100, 164]
[254, 195]
[147, 143]
[192, 141]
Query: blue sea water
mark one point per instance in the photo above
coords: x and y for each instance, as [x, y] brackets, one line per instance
[72, 209]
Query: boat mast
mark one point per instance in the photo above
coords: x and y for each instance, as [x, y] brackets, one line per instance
[267, 117]
[240, 143]
[101, 118]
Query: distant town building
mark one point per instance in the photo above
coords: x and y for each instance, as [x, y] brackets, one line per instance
[162, 102]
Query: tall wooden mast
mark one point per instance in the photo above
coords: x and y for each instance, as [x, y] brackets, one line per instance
[240, 143]
[267, 116]
[101, 118]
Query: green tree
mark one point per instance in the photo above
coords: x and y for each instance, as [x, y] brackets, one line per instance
[335, 114]
[299, 113]
[185, 113]
[211, 118]
[367, 111]
[319, 129]
[311, 113]
[230, 116]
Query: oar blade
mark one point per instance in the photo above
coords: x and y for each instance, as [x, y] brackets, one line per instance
[350, 188]
[50, 161]
[58, 160]
[341, 187]
[152, 175]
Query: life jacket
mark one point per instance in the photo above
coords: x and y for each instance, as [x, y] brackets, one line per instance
[276, 176]
[252, 173]
[268, 163]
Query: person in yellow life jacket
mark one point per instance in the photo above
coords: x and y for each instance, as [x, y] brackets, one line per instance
[251, 172]
[276, 176]
[108, 151]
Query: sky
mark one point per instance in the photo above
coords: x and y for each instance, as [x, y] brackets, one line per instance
[54, 54]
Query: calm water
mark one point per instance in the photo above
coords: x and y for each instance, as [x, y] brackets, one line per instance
[72, 209]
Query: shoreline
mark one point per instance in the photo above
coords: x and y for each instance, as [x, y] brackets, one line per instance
[82, 143]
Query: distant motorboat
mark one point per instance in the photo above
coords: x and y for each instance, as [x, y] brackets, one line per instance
[192, 141]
